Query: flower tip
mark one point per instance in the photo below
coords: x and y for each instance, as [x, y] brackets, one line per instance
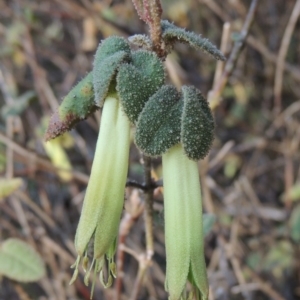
[109, 280]
[74, 277]
[75, 266]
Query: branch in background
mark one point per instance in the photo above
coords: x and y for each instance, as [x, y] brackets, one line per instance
[282, 55]
[134, 209]
[149, 207]
[253, 41]
[214, 97]
[36, 162]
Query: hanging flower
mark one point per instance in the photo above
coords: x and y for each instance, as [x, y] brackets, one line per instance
[122, 97]
[183, 226]
[182, 132]
[104, 198]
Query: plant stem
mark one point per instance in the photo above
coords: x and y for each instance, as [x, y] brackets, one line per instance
[150, 12]
[148, 207]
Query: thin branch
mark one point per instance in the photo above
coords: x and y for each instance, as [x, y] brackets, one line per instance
[138, 280]
[224, 49]
[235, 53]
[135, 207]
[143, 186]
[41, 83]
[148, 208]
[253, 42]
[282, 55]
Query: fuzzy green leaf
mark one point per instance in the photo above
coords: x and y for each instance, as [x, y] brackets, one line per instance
[110, 46]
[158, 127]
[197, 126]
[8, 186]
[172, 33]
[20, 262]
[104, 79]
[138, 81]
[76, 106]
[111, 53]
[17, 107]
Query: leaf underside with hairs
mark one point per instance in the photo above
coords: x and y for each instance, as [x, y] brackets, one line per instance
[138, 81]
[197, 125]
[76, 106]
[103, 79]
[172, 33]
[111, 53]
[158, 127]
[79, 102]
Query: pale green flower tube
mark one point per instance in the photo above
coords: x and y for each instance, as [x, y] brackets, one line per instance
[183, 226]
[104, 198]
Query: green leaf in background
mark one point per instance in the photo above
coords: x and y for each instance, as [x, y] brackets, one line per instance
[2, 158]
[8, 186]
[232, 165]
[18, 106]
[279, 259]
[59, 159]
[293, 193]
[294, 224]
[254, 260]
[208, 223]
[20, 262]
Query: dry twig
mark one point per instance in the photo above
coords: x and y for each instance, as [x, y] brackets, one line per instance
[282, 55]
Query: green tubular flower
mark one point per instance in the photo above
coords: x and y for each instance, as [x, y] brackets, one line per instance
[104, 198]
[183, 226]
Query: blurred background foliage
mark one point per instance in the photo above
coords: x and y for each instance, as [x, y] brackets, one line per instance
[250, 181]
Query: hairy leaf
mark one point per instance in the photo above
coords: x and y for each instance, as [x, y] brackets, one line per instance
[76, 106]
[138, 81]
[158, 127]
[111, 53]
[110, 46]
[172, 33]
[197, 126]
[104, 79]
